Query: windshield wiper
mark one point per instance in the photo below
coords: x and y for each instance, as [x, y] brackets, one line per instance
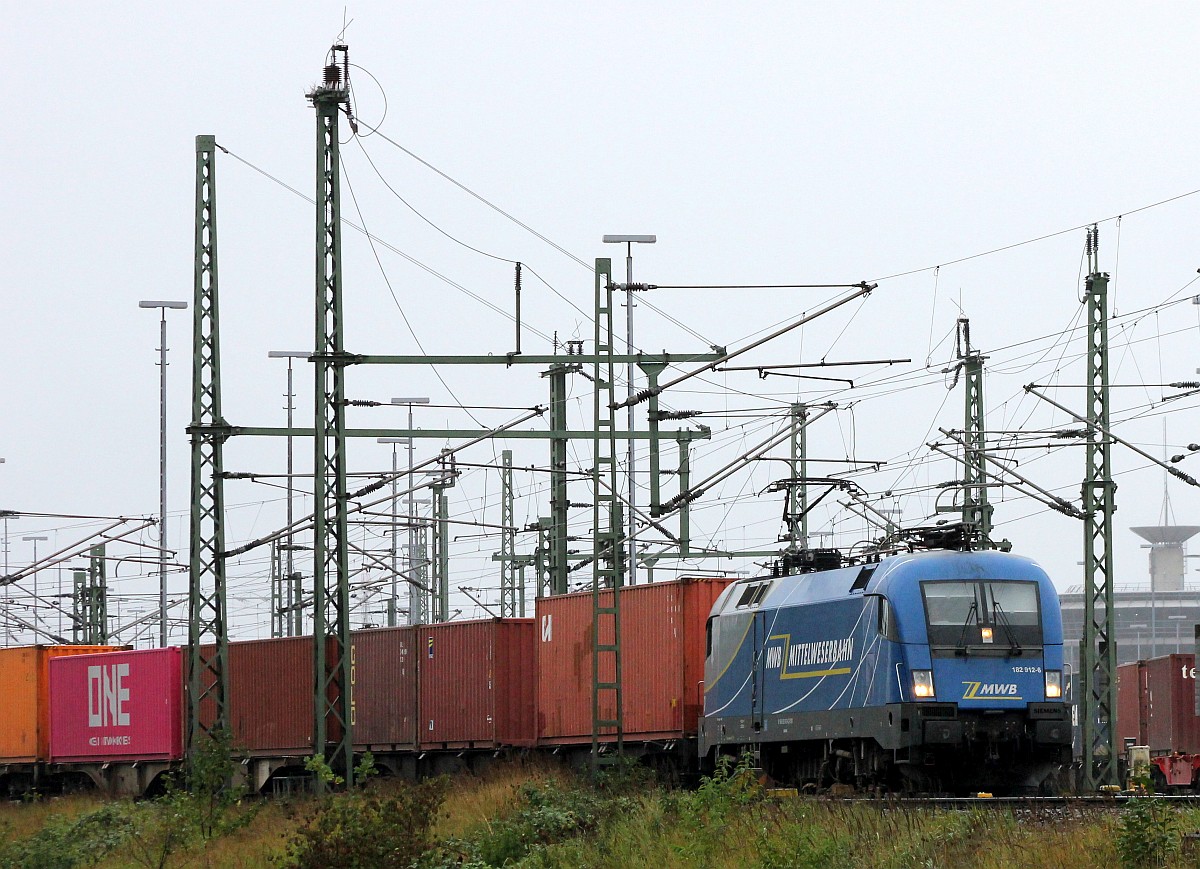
[962, 638]
[999, 616]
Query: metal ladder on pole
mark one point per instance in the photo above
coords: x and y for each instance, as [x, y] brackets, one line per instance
[607, 535]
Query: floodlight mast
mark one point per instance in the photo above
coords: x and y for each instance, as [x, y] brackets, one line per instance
[417, 596]
[294, 622]
[393, 601]
[163, 306]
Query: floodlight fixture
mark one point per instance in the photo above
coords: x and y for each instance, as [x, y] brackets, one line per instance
[630, 239]
[393, 440]
[289, 354]
[160, 304]
[422, 400]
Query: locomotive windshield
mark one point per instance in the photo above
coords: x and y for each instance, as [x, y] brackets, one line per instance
[974, 615]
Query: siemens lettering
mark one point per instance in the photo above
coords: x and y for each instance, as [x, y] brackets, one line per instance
[107, 695]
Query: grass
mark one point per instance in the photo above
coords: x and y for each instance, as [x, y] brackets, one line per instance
[532, 815]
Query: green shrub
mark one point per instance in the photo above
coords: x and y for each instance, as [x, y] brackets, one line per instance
[67, 843]
[363, 830]
[1148, 833]
[546, 815]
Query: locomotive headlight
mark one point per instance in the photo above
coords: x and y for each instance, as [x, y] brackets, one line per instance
[985, 634]
[1053, 684]
[922, 683]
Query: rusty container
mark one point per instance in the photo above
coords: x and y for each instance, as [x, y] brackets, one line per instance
[25, 699]
[662, 648]
[271, 688]
[1170, 698]
[1131, 708]
[477, 685]
[384, 695]
[124, 705]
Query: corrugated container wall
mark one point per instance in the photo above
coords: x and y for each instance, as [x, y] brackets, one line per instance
[384, 695]
[272, 687]
[1170, 699]
[25, 699]
[1131, 712]
[477, 684]
[662, 643]
[117, 705]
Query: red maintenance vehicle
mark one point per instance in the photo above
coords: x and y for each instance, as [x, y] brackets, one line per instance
[1156, 708]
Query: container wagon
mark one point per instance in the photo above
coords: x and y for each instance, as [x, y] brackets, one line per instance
[662, 639]
[1156, 708]
[116, 719]
[25, 711]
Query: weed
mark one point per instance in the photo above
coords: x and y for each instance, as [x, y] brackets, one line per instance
[1148, 833]
[68, 843]
[547, 814]
[364, 830]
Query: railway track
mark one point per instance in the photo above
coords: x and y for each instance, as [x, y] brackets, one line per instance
[1025, 807]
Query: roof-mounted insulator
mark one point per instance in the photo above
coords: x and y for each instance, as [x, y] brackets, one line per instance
[333, 76]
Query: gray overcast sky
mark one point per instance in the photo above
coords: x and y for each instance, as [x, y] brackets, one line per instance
[781, 143]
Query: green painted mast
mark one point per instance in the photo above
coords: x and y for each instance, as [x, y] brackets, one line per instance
[208, 675]
[976, 511]
[331, 580]
[608, 563]
[91, 600]
[559, 499]
[797, 492]
[1098, 653]
[508, 542]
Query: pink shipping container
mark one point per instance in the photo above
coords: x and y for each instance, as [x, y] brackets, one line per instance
[477, 684]
[662, 647]
[384, 696]
[117, 705]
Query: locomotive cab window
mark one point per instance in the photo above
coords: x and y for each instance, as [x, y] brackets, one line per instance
[753, 594]
[981, 617]
[885, 618]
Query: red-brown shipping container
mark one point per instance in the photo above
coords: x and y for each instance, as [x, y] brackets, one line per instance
[1156, 704]
[477, 684]
[1131, 710]
[25, 699]
[117, 706]
[662, 663]
[384, 694]
[271, 704]
[1170, 699]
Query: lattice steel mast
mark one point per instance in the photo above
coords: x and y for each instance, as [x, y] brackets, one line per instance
[1098, 652]
[208, 676]
[976, 511]
[331, 584]
[91, 600]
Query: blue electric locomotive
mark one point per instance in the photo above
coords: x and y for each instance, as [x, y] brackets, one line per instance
[933, 671]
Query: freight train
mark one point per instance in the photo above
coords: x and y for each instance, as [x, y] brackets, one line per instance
[930, 671]
[1156, 710]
